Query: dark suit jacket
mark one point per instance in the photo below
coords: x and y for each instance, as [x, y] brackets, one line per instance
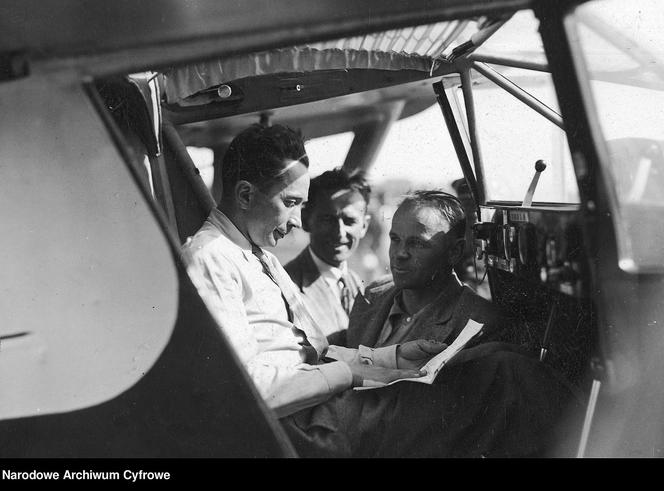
[322, 302]
[491, 400]
[443, 321]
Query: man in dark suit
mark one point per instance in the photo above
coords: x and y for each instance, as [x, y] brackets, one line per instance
[491, 399]
[336, 217]
[423, 298]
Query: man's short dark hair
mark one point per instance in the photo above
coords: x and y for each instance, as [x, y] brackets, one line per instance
[446, 204]
[337, 180]
[259, 154]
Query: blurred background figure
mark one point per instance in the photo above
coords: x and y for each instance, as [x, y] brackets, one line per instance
[336, 218]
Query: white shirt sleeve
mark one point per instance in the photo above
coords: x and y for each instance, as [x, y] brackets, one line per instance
[286, 389]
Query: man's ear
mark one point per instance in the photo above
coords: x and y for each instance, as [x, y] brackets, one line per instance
[456, 251]
[244, 194]
[365, 227]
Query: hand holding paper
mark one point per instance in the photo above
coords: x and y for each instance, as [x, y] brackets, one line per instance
[437, 362]
[380, 375]
[414, 354]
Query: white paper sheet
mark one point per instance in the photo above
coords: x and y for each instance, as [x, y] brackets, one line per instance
[435, 364]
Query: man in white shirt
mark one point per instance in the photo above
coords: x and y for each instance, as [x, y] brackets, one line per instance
[335, 215]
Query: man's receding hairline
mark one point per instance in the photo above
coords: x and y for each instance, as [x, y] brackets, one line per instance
[425, 205]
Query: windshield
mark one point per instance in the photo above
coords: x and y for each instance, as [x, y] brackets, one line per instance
[622, 56]
[512, 136]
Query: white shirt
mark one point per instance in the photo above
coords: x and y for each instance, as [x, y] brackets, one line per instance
[331, 274]
[250, 311]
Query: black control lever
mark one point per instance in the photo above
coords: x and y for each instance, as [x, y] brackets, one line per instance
[544, 347]
[540, 165]
[484, 230]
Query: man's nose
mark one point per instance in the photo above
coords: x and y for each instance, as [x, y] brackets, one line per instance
[295, 218]
[401, 252]
[340, 228]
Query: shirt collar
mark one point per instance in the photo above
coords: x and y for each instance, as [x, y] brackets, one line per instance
[228, 228]
[396, 308]
[444, 298]
[327, 270]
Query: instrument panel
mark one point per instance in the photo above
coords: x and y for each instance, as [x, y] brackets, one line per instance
[539, 245]
[538, 274]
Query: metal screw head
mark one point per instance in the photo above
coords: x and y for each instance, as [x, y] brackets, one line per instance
[224, 91]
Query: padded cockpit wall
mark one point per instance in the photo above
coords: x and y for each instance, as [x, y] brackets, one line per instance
[107, 349]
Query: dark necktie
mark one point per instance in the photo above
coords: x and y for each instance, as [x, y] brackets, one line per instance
[258, 252]
[313, 341]
[347, 296]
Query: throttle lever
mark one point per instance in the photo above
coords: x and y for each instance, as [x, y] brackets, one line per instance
[540, 165]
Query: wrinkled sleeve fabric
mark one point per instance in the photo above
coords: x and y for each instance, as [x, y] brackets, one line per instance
[385, 357]
[286, 389]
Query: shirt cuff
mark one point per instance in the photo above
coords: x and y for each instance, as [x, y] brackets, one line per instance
[337, 375]
[385, 357]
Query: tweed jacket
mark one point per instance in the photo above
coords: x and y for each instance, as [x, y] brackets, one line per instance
[443, 320]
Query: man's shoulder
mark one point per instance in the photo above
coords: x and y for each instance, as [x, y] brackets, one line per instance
[378, 288]
[207, 243]
[298, 266]
[357, 279]
[297, 263]
[472, 298]
[481, 309]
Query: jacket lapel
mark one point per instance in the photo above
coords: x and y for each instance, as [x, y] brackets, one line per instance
[433, 325]
[307, 271]
[436, 322]
[367, 319]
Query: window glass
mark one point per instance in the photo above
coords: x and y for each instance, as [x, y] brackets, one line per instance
[518, 38]
[418, 152]
[203, 158]
[622, 56]
[512, 137]
[327, 152]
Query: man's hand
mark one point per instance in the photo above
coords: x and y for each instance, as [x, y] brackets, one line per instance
[414, 354]
[363, 372]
